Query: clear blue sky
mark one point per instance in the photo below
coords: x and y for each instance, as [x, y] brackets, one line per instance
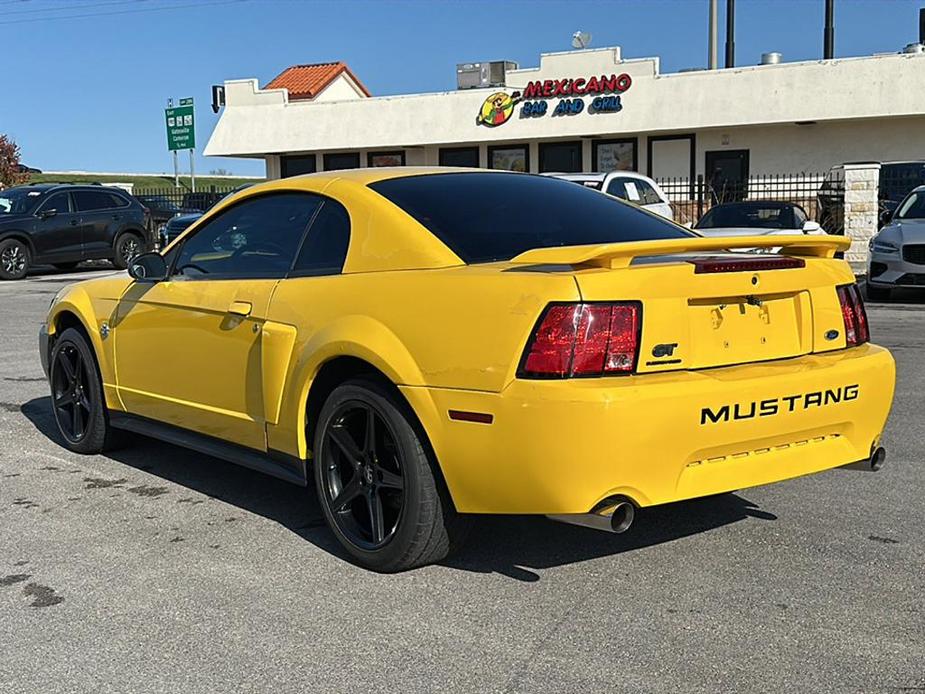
[89, 92]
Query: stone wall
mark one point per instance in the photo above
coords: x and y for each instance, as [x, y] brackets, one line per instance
[861, 210]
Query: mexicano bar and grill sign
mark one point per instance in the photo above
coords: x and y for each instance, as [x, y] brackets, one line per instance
[603, 91]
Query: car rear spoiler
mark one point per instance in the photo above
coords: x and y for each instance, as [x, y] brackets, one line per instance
[621, 255]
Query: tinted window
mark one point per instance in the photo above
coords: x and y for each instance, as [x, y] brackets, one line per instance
[484, 217]
[758, 216]
[255, 238]
[294, 166]
[89, 200]
[58, 202]
[325, 247]
[649, 196]
[19, 200]
[118, 200]
[350, 160]
[633, 189]
[912, 207]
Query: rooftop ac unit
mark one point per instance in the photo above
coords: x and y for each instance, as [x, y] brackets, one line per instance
[487, 74]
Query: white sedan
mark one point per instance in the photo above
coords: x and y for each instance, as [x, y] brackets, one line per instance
[756, 218]
[626, 185]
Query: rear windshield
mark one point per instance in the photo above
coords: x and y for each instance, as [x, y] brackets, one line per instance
[485, 217]
[759, 216]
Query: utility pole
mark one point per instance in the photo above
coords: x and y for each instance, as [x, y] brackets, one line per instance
[730, 33]
[712, 50]
[828, 49]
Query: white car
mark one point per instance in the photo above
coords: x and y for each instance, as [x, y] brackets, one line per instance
[626, 185]
[756, 218]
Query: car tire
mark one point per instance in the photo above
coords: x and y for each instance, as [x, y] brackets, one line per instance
[380, 495]
[14, 259]
[878, 293]
[65, 266]
[128, 245]
[77, 394]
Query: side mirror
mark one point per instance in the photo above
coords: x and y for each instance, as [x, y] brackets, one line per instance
[886, 217]
[811, 227]
[47, 214]
[148, 267]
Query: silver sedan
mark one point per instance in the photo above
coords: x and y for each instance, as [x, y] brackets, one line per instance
[897, 252]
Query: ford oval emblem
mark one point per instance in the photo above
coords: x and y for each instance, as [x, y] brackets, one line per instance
[831, 335]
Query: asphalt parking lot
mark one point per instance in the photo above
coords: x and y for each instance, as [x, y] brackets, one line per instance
[154, 569]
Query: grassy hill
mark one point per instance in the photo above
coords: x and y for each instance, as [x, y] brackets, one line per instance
[142, 181]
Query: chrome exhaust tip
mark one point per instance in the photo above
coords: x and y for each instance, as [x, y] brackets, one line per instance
[872, 464]
[614, 514]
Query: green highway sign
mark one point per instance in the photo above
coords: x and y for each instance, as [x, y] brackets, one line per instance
[181, 133]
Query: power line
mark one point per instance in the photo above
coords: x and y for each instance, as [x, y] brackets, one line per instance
[120, 12]
[71, 7]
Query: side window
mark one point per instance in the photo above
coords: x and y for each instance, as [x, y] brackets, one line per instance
[257, 237]
[325, 247]
[58, 202]
[617, 188]
[799, 218]
[117, 200]
[647, 193]
[90, 200]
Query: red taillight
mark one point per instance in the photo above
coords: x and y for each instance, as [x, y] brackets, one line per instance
[854, 314]
[584, 340]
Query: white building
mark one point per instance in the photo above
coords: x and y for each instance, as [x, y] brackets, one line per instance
[590, 110]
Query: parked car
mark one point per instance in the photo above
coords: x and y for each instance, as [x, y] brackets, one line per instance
[897, 179]
[756, 217]
[161, 206]
[626, 185]
[63, 224]
[897, 252]
[166, 233]
[411, 345]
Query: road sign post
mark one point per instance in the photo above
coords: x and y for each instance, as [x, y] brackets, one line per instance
[181, 133]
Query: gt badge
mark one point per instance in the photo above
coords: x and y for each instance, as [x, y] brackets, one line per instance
[664, 350]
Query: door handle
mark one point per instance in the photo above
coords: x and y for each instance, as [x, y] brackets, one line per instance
[240, 308]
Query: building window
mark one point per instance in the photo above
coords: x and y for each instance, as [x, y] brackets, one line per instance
[563, 157]
[614, 155]
[295, 165]
[459, 156]
[385, 158]
[343, 160]
[509, 158]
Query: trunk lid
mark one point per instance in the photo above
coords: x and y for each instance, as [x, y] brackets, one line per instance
[703, 306]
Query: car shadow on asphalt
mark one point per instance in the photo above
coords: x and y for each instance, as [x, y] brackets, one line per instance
[513, 546]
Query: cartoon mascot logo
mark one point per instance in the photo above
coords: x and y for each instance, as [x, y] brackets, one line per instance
[497, 109]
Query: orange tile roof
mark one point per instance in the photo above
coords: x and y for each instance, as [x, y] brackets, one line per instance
[307, 81]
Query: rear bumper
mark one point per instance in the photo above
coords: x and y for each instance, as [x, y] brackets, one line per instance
[557, 447]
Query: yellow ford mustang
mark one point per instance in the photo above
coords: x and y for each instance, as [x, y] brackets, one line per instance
[430, 343]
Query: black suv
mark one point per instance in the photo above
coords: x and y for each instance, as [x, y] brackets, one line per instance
[61, 224]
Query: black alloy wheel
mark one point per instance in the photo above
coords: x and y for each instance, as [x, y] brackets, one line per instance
[14, 259]
[77, 394]
[363, 475]
[378, 481]
[128, 247]
[70, 390]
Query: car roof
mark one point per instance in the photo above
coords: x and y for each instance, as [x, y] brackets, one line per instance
[599, 176]
[757, 203]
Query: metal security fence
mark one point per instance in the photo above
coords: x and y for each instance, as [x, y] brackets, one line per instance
[690, 199]
[179, 201]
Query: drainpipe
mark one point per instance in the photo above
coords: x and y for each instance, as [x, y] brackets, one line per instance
[712, 52]
[828, 51]
[730, 33]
